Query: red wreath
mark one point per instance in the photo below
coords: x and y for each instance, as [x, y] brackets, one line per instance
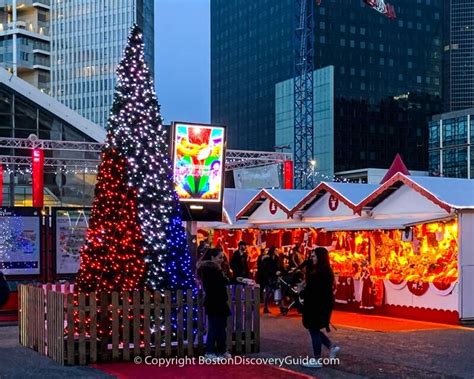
[397, 280]
[444, 283]
[418, 288]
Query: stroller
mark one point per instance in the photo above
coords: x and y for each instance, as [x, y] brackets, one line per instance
[291, 285]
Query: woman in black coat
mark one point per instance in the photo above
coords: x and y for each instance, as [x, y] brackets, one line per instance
[318, 301]
[214, 283]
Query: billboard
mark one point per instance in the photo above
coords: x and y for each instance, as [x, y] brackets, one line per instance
[257, 177]
[198, 154]
[71, 227]
[20, 241]
[198, 162]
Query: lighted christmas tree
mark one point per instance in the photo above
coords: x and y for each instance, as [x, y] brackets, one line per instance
[135, 239]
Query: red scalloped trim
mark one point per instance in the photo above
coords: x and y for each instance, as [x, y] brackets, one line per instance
[406, 312]
[421, 314]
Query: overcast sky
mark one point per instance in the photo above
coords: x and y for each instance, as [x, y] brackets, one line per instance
[182, 59]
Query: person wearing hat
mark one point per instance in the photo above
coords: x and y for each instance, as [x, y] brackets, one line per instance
[239, 264]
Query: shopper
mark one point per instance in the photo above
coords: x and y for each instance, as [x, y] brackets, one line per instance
[214, 283]
[295, 258]
[270, 272]
[239, 262]
[318, 301]
[4, 290]
[258, 275]
[226, 267]
[201, 249]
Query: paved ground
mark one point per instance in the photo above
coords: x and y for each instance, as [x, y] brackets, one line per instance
[437, 353]
[19, 362]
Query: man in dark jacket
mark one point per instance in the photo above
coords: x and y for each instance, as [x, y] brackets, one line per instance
[271, 269]
[4, 290]
[239, 264]
[214, 283]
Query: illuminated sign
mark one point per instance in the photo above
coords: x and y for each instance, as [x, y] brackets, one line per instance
[198, 164]
[38, 178]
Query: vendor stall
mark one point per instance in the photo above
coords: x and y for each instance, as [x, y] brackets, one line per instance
[402, 248]
[395, 248]
[435, 259]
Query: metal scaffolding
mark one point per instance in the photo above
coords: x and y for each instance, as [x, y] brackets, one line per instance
[235, 159]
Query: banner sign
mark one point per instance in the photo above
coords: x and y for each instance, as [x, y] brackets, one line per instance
[20, 241]
[198, 162]
[38, 178]
[288, 175]
[71, 227]
[257, 177]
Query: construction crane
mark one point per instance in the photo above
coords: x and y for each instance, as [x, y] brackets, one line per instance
[304, 163]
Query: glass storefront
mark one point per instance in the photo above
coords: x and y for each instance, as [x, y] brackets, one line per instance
[65, 185]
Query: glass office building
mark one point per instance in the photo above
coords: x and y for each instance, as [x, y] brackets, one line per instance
[25, 40]
[25, 110]
[88, 38]
[451, 142]
[350, 134]
[386, 75]
[323, 118]
[458, 55]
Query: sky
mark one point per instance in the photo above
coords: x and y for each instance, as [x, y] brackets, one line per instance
[182, 59]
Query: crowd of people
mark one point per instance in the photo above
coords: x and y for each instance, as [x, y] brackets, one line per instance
[215, 272]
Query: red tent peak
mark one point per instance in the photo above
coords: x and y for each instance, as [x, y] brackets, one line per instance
[396, 167]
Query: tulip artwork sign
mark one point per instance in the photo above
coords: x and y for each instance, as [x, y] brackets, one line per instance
[198, 152]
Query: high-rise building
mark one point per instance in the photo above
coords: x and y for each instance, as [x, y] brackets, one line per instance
[352, 133]
[458, 57]
[88, 38]
[25, 40]
[451, 144]
[384, 80]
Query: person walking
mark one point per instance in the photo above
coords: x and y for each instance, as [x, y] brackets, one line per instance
[239, 262]
[259, 275]
[318, 302]
[270, 267]
[214, 284]
[295, 258]
[4, 290]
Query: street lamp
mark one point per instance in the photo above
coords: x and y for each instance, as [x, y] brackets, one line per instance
[282, 147]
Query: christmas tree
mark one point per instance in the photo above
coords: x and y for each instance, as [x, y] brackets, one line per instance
[135, 240]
